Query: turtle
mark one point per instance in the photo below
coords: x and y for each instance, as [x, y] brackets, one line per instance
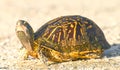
[65, 38]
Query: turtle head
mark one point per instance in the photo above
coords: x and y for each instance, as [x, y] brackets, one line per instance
[25, 34]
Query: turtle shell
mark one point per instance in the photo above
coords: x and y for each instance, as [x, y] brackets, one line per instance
[68, 34]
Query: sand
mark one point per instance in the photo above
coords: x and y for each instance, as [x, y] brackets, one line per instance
[37, 12]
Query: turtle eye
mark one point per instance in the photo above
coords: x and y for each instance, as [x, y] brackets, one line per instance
[25, 23]
[20, 22]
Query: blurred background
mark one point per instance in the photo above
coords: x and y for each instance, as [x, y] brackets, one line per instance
[105, 13]
[37, 12]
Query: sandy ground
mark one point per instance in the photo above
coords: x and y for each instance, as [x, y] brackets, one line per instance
[106, 13]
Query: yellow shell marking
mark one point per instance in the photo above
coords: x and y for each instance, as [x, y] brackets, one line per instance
[53, 31]
[74, 35]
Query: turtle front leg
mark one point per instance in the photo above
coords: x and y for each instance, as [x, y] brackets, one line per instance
[25, 54]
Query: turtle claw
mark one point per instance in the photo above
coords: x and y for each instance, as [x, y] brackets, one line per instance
[23, 53]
